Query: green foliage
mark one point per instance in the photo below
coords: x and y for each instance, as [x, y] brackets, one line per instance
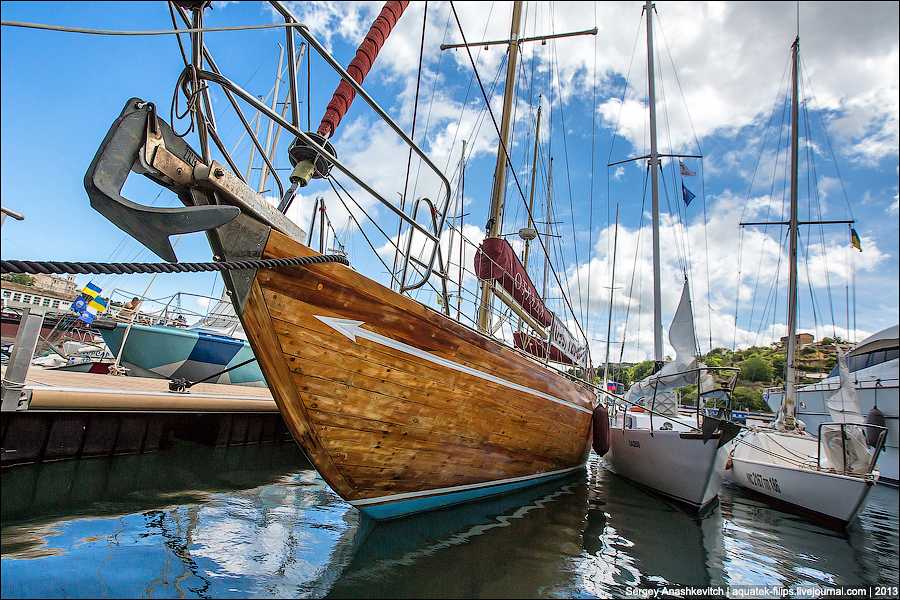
[759, 367]
[641, 370]
[20, 278]
[687, 395]
[756, 368]
[745, 399]
[779, 364]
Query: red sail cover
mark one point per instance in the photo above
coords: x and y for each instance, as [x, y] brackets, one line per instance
[496, 260]
[360, 65]
[538, 347]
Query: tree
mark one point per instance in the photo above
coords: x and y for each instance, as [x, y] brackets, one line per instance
[20, 278]
[619, 374]
[755, 368]
[778, 365]
[750, 401]
[641, 370]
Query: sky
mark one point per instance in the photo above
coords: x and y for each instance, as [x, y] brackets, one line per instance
[721, 67]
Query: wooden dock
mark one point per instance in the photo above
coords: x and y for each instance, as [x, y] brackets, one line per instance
[73, 415]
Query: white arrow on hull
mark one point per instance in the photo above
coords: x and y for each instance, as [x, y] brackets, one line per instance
[352, 330]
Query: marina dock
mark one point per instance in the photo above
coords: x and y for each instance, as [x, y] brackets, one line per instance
[72, 415]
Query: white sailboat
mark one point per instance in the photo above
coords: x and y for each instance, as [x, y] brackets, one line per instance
[650, 443]
[874, 367]
[829, 475]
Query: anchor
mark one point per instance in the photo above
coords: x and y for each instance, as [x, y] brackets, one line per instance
[139, 141]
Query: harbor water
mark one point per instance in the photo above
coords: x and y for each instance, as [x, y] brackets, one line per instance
[258, 521]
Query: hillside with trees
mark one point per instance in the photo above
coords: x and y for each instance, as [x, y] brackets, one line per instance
[760, 367]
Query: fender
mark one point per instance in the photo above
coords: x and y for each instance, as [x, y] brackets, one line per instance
[600, 420]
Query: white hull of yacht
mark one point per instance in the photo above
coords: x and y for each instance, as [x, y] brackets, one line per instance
[811, 409]
[675, 464]
[782, 467]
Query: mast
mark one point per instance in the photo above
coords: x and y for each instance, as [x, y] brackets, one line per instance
[493, 224]
[537, 138]
[547, 231]
[790, 380]
[654, 186]
[612, 287]
[529, 233]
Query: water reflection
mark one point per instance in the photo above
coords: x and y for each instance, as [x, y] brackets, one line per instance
[258, 521]
[521, 544]
[648, 542]
[766, 546]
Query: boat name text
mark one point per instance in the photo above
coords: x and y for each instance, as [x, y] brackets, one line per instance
[767, 483]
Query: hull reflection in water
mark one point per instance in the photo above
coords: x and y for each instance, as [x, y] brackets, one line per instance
[802, 552]
[197, 522]
[656, 542]
[511, 545]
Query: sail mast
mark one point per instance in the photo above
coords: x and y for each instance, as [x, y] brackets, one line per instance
[612, 287]
[790, 380]
[654, 186]
[493, 224]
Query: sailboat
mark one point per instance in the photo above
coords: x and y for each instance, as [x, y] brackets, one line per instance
[651, 443]
[400, 407]
[828, 475]
[874, 366]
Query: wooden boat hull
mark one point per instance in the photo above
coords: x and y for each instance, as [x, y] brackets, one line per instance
[400, 408]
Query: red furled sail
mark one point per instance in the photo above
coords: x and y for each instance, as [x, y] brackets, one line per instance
[496, 260]
[360, 65]
[538, 347]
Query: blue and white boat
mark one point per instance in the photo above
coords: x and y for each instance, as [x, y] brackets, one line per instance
[192, 354]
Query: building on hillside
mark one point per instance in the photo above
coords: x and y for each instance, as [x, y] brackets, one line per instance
[22, 297]
[55, 283]
[803, 339]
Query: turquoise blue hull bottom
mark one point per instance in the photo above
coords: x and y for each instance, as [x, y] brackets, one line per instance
[401, 505]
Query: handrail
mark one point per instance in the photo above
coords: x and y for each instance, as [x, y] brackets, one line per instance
[408, 257]
[303, 30]
[293, 127]
[650, 409]
[729, 390]
[879, 445]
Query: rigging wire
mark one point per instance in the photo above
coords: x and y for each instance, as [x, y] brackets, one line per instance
[812, 250]
[175, 31]
[504, 149]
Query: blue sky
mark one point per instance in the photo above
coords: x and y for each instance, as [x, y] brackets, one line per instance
[62, 91]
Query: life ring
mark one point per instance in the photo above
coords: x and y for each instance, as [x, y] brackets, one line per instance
[600, 420]
[637, 409]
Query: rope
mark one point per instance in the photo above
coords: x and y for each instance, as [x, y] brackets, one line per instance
[48, 267]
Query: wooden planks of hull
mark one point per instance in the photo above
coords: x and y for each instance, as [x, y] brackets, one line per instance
[416, 401]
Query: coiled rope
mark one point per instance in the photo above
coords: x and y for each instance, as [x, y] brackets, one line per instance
[94, 268]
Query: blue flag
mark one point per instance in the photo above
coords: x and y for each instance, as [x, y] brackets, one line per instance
[688, 195]
[79, 305]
